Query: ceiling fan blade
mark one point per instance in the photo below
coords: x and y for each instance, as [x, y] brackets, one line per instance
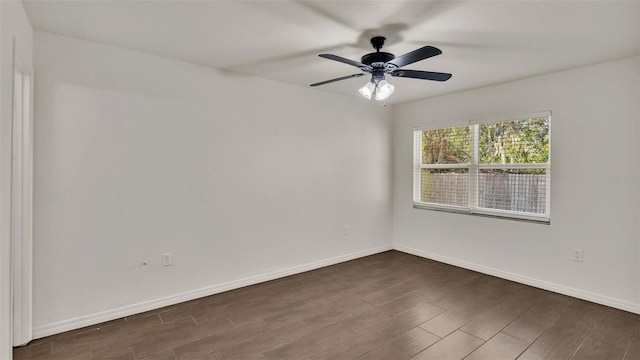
[337, 79]
[425, 75]
[416, 55]
[343, 60]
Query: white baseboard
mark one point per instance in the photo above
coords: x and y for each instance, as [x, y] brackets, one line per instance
[92, 319]
[546, 285]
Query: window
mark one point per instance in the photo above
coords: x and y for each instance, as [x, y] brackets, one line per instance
[492, 168]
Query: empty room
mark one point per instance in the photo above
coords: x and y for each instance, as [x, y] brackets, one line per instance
[339, 180]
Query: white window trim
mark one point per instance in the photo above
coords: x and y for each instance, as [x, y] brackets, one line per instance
[473, 169]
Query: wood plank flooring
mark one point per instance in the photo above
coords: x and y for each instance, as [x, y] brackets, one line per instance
[386, 306]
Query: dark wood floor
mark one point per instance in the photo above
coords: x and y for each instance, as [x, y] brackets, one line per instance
[386, 306]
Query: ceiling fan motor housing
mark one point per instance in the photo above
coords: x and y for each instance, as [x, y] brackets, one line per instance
[377, 57]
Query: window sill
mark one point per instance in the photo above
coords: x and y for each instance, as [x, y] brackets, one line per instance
[466, 211]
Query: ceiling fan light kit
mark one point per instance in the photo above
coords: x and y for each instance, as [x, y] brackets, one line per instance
[384, 90]
[380, 63]
[367, 90]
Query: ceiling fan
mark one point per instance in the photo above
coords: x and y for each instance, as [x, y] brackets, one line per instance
[380, 63]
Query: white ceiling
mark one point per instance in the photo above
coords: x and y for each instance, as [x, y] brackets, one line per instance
[483, 42]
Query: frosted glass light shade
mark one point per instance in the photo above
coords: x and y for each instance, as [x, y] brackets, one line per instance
[384, 90]
[367, 90]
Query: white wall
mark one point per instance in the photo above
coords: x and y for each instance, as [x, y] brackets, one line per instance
[594, 192]
[239, 177]
[137, 155]
[13, 25]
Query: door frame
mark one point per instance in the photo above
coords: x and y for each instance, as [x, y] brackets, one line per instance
[21, 201]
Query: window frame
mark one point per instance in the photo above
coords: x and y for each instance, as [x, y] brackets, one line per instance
[474, 167]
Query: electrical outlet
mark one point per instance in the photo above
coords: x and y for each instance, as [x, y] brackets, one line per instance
[167, 259]
[347, 230]
[577, 255]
